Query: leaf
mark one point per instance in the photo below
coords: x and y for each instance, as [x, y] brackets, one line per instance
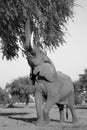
[46, 16]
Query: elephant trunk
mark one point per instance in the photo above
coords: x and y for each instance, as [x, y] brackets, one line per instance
[28, 35]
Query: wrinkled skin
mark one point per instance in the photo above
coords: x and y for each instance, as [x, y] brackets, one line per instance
[59, 92]
[40, 61]
[55, 86]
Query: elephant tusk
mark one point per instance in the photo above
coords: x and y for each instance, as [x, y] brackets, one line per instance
[32, 35]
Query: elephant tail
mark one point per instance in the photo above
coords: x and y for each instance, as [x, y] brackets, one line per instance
[66, 112]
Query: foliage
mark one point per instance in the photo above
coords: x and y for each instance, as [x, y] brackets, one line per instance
[81, 88]
[47, 20]
[83, 79]
[78, 99]
[20, 89]
[4, 97]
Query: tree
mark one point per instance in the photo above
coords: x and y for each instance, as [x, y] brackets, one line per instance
[20, 89]
[83, 79]
[78, 91]
[46, 18]
[4, 97]
[81, 88]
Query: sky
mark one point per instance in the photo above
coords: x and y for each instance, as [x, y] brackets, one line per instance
[71, 58]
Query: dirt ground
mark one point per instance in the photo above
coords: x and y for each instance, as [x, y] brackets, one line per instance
[22, 119]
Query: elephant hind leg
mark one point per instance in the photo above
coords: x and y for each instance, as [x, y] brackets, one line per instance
[67, 112]
[61, 112]
[71, 107]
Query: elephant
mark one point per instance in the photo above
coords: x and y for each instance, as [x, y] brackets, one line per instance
[55, 86]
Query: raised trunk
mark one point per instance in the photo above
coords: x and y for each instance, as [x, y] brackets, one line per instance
[27, 44]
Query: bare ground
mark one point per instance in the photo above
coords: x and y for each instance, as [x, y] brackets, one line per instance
[22, 119]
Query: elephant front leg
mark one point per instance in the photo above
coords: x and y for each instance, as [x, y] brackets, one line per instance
[49, 104]
[39, 108]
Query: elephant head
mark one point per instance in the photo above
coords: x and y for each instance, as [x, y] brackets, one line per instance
[41, 65]
[39, 62]
[35, 55]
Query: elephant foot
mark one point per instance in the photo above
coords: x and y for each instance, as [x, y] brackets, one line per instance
[75, 123]
[62, 120]
[62, 123]
[41, 122]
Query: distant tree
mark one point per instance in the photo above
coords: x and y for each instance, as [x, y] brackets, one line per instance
[4, 97]
[47, 19]
[77, 88]
[81, 88]
[83, 80]
[20, 89]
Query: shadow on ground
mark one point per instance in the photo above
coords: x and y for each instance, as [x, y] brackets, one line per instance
[7, 114]
[32, 120]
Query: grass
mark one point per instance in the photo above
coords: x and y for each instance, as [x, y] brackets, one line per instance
[23, 116]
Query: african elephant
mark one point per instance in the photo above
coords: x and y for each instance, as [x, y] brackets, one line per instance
[55, 86]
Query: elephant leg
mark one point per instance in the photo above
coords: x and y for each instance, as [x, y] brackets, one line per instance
[61, 112]
[38, 102]
[49, 104]
[71, 107]
[66, 112]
